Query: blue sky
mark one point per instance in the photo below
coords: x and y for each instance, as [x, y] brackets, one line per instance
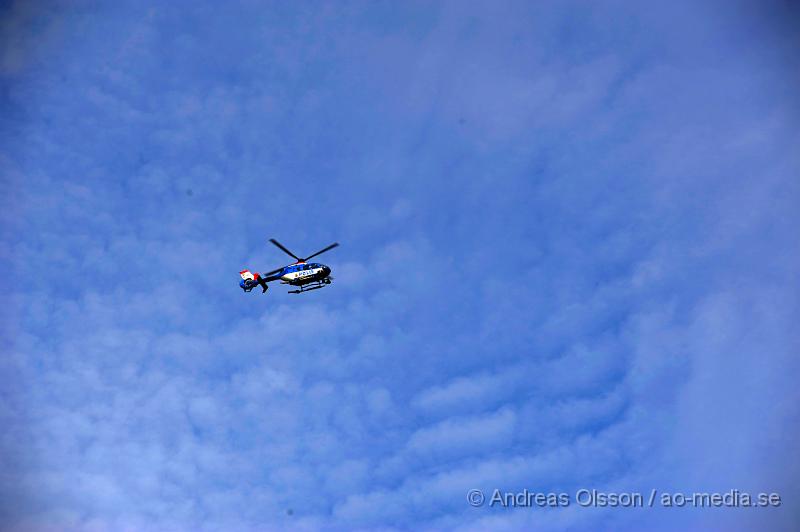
[569, 260]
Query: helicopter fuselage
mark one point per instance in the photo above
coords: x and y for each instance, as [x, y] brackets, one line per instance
[301, 274]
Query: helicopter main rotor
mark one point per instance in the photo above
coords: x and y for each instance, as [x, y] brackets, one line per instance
[298, 259]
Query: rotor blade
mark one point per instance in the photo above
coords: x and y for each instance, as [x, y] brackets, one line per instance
[320, 252]
[271, 273]
[285, 250]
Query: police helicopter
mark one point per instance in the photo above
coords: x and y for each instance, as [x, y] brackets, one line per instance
[300, 274]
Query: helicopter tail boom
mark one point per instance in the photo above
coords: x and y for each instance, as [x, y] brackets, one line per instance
[250, 280]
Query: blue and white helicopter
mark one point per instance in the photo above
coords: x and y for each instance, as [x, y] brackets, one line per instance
[300, 274]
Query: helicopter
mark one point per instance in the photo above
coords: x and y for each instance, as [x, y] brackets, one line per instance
[300, 274]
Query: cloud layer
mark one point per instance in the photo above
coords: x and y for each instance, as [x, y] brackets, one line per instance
[568, 262]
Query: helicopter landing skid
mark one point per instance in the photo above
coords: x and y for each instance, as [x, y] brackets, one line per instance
[301, 290]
